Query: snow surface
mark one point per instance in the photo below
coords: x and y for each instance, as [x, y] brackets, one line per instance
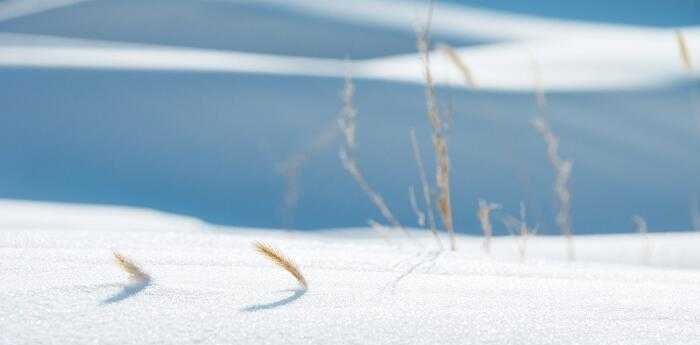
[60, 285]
[571, 55]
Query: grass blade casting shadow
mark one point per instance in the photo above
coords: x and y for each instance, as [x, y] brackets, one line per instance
[296, 294]
[139, 279]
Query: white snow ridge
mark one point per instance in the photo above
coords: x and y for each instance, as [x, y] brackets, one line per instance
[209, 287]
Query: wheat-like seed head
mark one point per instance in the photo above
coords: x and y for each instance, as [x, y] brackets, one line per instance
[128, 266]
[280, 260]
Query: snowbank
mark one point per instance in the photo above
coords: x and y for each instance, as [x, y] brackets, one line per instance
[209, 287]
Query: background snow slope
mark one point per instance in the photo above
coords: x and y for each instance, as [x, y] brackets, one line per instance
[59, 283]
[191, 106]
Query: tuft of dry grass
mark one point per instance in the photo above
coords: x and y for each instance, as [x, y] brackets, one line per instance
[484, 215]
[684, 51]
[439, 141]
[280, 260]
[425, 187]
[459, 63]
[519, 229]
[134, 271]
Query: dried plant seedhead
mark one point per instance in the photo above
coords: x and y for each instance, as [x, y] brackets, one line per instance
[280, 260]
[128, 266]
[346, 122]
[459, 63]
[442, 160]
[562, 169]
[349, 114]
[684, 51]
[484, 215]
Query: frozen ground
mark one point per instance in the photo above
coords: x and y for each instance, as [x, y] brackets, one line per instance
[60, 284]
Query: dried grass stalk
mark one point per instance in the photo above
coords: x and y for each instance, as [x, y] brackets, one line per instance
[128, 266]
[562, 169]
[346, 122]
[519, 229]
[425, 187]
[291, 170]
[695, 212]
[420, 215]
[280, 260]
[687, 62]
[684, 51]
[484, 215]
[539, 89]
[439, 142]
[641, 226]
[380, 229]
[457, 60]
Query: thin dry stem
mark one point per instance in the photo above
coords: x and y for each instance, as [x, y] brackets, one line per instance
[684, 51]
[420, 215]
[380, 229]
[641, 226]
[562, 169]
[695, 212]
[346, 122]
[457, 60]
[687, 62]
[128, 266]
[539, 89]
[291, 170]
[425, 187]
[280, 260]
[484, 215]
[439, 142]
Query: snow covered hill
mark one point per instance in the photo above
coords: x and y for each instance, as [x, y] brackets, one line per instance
[60, 284]
[192, 107]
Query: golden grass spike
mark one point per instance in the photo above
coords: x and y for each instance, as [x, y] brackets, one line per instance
[685, 52]
[442, 158]
[280, 260]
[128, 266]
[459, 63]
